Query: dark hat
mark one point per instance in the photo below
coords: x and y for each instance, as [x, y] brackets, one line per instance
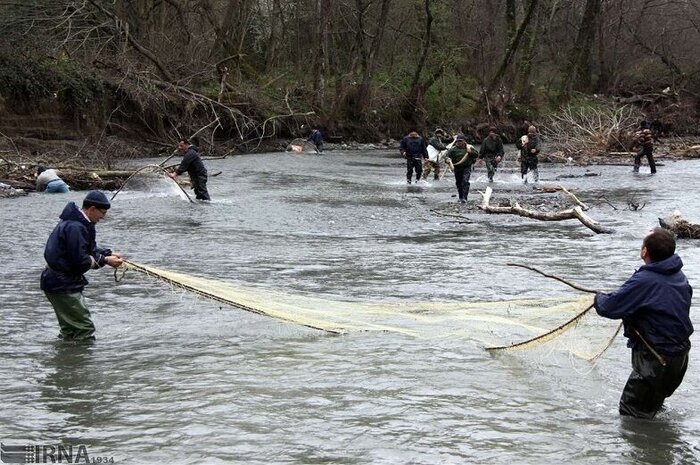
[96, 199]
[439, 131]
[40, 169]
[460, 138]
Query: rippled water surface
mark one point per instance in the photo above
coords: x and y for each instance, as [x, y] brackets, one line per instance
[177, 379]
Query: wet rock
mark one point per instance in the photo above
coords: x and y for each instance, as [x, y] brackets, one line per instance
[8, 191]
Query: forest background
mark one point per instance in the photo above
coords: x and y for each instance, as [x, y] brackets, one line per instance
[109, 78]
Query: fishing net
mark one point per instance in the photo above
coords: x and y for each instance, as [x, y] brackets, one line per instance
[493, 324]
[301, 145]
[151, 181]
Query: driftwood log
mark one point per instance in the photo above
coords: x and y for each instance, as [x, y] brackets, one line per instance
[516, 209]
[680, 227]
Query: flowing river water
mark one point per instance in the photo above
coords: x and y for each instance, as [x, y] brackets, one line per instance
[174, 378]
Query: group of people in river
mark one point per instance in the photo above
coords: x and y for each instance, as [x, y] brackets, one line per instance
[654, 304]
[460, 157]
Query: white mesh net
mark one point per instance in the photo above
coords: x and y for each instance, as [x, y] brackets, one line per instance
[301, 146]
[493, 324]
[152, 181]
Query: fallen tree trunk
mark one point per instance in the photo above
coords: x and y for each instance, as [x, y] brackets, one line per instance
[516, 209]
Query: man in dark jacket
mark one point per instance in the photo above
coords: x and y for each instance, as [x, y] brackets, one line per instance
[439, 142]
[492, 152]
[462, 156]
[414, 149]
[71, 251]
[192, 163]
[317, 138]
[654, 305]
[644, 143]
[529, 146]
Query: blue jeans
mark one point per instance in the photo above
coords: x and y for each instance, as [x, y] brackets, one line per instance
[57, 186]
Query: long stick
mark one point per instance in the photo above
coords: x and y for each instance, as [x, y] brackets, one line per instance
[658, 356]
[151, 166]
[568, 283]
[607, 346]
[546, 336]
[166, 160]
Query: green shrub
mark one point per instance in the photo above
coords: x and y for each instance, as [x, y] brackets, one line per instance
[26, 82]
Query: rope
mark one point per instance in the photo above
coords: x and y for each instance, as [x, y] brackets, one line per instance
[466, 155]
[156, 167]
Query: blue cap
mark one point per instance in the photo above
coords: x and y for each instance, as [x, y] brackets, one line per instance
[96, 199]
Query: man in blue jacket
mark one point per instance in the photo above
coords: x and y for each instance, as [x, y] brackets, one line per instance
[654, 305]
[317, 138]
[71, 251]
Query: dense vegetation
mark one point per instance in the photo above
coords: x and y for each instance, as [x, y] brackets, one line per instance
[238, 71]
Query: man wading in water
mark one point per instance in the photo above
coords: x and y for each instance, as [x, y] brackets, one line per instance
[192, 163]
[414, 149]
[654, 305]
[492, 152]
[70, 252]
[462, 156]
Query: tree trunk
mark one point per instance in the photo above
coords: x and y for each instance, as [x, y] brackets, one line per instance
[413, 108]
[277, 32]
[524, 71]
[371, 61]
[511, 23]
[573, 213]
[578, 76]
[512, 47]
[321, 56]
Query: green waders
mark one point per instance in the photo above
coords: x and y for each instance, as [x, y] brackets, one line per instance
[491, 165]
[73, 316]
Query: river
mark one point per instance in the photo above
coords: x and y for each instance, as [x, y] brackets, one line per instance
[173, 378]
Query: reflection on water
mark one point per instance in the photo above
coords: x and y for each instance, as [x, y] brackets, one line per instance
[177, 379]
[656, 442]
[68, 387]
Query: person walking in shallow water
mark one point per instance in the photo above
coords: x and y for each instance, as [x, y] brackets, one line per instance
[439, 142]
[644, 144]
[414, 149]
[70, 251]
[462, 157]
[529, 146]
[654, 305]
[491, 151]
